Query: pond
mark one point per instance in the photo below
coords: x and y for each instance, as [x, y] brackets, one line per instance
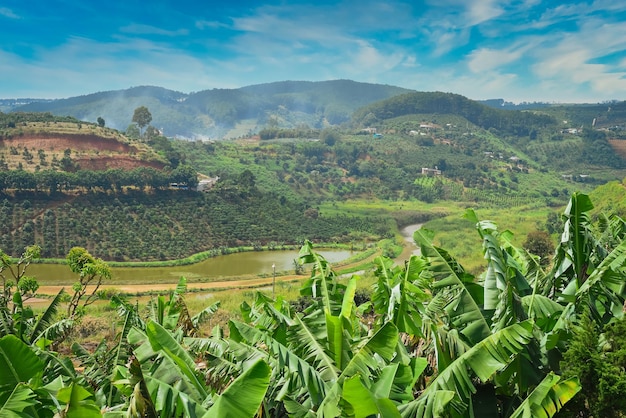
[211, 269]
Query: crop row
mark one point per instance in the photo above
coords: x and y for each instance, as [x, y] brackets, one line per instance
[168, 225]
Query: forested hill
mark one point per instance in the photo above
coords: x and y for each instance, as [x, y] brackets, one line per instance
[510, 122]
[221, 113]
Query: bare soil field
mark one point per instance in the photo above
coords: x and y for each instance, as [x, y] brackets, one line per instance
[96, 149]
[619, 146]
[60, 142]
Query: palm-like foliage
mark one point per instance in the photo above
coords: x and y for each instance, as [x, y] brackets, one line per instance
[35, 384]
[441, 341]
[325, 363]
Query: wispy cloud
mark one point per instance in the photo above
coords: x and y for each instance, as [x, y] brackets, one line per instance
[577, 57]
[479, 11]
[139, 29]
[6, 12]
[209, 24]
[487, 59]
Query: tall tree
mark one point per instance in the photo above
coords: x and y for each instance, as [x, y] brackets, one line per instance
[142, 117]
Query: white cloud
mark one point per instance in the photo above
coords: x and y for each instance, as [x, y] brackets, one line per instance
[446, 40]
[368, 59]
[410, 62]
[487, 59]
[6, 12]
[479, 11]
[578, 59]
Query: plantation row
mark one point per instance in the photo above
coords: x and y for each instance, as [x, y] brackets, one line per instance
[168, 224]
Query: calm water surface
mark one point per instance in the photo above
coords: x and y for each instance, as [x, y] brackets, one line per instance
[212, 269]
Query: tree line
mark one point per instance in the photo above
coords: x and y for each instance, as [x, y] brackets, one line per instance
[112, 179]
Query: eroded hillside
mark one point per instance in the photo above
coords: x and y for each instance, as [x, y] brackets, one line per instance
[69, 146]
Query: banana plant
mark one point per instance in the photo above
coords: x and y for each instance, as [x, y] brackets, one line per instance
[173, 313]
[501, 299]
[324, 361]
[35, 385]
[164, 380]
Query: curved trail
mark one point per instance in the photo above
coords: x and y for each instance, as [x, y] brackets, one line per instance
[409, 250]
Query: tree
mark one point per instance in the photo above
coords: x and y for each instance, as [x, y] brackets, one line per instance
[540, 243]
[329, 136]
[246, 181]
[133, 131]
[151, 132]
[101, 122]
[12, 272]
[91, 271]
[142, 117]
[596, 356]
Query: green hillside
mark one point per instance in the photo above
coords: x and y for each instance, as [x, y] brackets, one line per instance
[428, 148]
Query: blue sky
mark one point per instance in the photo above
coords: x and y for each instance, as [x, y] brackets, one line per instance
[519, 50]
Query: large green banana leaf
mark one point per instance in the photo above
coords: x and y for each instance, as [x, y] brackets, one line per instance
[483, 359]
[464, 309]
[548, 397]
[244, 395]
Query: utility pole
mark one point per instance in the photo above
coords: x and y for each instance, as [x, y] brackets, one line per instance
[273, 281]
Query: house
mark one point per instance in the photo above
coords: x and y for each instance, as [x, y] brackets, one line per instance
[205, 185]
[431, 171]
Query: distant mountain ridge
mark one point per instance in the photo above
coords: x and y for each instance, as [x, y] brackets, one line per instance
[219, 113]
[241, 112]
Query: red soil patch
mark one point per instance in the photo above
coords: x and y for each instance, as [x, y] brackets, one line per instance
[60, 142]
[90, 152]
[619, 146]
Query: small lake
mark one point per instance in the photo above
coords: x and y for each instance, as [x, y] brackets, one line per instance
[211, 269]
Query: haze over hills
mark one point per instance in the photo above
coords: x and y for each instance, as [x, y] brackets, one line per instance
[231, 113]
[428, 146]
[223, 112]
